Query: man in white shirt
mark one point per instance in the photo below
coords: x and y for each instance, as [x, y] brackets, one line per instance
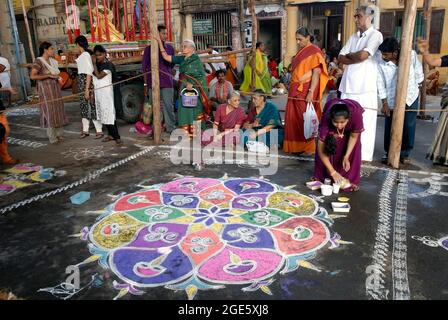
[358, 83]
[5, 76]
[387, 87]
[219, 65]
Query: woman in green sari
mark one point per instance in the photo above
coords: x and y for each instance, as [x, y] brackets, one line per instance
[192, 76]
[264, 119]
[262, 76]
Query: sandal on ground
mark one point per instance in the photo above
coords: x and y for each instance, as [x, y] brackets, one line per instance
[118, 141]
[84, 134]
[99, 135]
[107, 139]
[405, 160]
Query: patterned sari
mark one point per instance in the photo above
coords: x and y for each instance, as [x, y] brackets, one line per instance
[52, 113]
[268, 116]
[227, 121]
[192, 71]
[262, 76]
[305, 61]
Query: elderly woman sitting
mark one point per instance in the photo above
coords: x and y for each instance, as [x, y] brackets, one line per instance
[229, 118]
[192, 77]
[264, 119]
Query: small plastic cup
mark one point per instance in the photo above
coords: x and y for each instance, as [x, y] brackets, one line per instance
[336, 188]
[326, 190]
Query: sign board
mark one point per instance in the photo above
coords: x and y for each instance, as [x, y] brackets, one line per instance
[18, 5]
[203, 26]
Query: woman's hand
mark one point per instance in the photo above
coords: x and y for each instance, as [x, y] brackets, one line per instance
[253, 135]
[217, 138]
[189, 86]
[385, 110]
[247, 125]
[13, 90]
[309, 97]
[422, 45]
[337, 177]
[346, 164]
[159, 41]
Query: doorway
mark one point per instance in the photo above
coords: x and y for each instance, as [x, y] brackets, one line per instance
[270, 31]
[334, 35]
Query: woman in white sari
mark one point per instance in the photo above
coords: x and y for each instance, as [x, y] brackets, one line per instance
[104, 76]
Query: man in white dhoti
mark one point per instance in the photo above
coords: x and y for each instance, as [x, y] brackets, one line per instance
[359, 81]
[5, 77]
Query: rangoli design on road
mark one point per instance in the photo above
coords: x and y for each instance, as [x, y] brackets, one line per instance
[199, 234]
[24, 175]
[433, 242]
[436, 186]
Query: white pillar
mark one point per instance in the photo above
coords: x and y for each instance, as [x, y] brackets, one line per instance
[188, 34]
[292, 17]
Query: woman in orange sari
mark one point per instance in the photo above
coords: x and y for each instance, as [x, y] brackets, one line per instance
[231, 74]
[308, 81]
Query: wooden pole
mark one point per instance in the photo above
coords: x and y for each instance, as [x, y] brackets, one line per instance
[155, 73]
[30, 40]
[427, 11]
[402, 85]
[254, 42]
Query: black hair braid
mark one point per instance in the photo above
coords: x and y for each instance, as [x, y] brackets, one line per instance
[337, 110]
[330, 145]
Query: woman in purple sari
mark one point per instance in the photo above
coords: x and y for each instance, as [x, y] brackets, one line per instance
[229, 118]
[338, 155]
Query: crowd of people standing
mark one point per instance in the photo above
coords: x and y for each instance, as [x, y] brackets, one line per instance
[364, 72]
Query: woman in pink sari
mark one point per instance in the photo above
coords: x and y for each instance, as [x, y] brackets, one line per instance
[338, 155]
[229, 118]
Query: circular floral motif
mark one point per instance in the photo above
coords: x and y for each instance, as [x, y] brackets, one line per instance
[196, 234]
